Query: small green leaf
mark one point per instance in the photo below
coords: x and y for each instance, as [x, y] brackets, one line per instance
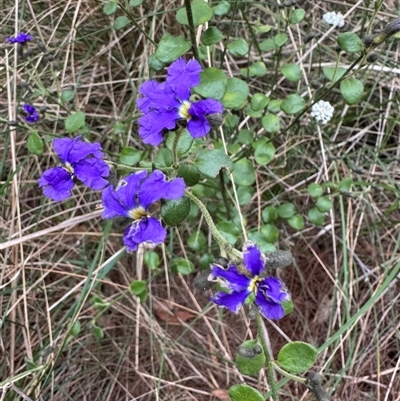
[274, 106]
[280, 39]
[130, 156]
[229, 231]
[267, 45]
[238, 47]
[297, 357]
[250, 358]
[121, 22]
[163, 158]
[211, 36]
[262, 242]
[315, 190]
[352, 90]
[264, 151]
[110, 8]
[270, 233]
[261, 28]
[210, 162]
[333, 73]
[202, 13]
[155, 64]
[296, 222]
[75, 121]
[250, 112]
[292, 72]
[259, 101]
[257, 69]
[350, 42]
[292, 104]
[182, 265]
[171, 48]
[197, 240]
[271, 123]
[138, 286]
[236, 93]
[269, 214]
[243, 392]
[316, 217]
[75, 329]
[35, 144]
[244, 194]
[345, 184]
[97, 332]
[151, 259]
[135, 3]
[213, 83]
[297, 16]
[243, 172]
[324, 204]
[119, 128]
[286, 210]
[189, 173]
[222, 8]
[175, 211]
[246, 136]
[184, 144]
[67, 95]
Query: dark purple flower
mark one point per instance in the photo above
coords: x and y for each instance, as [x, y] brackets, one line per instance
[132, 198]
[20, 38]
[269, 292]
[32, 114]
[81, 160]
[166, 103]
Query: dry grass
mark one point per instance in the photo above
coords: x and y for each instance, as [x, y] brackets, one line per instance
[56, 258]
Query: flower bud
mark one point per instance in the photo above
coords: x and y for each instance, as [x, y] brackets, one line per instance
[201, 282]
[372, 57]
[215, 120]
[249, 352]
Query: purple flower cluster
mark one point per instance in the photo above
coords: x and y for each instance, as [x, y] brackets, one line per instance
[81, 160]
[20, 38]
[269, 292]
[133, 197]
[32, 114]
[166, 103]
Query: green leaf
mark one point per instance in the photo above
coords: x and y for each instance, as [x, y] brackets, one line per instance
[151, 259]
[292, 104]
[222, 8]
[97, 332]
[333, 73]
[297, 357]
[121, 22]
[171, 48]
[270, 233]
[35, 144]
[345, 184]
[238, 47]
[271, 123]
[315, 190]
[229, 231]
[119, 128]
[259, 101]
[264, 151]
[236, 93]
[352, 90]
[250, 358]
[274, 106]
[135, 3]
[244, 194]
[350, 42]
[197, 240]
[209, 162]
[75, 329]
[67, 95]
[297, 16]
[189, 173]
[211, 36]
[267, 45]
[280, 39]
[286, 210]
[246, 136]
[155, 64]
[292, 72]
[163, 158]
[296, 222]
[175, 211]
[185, 142]
[269, 214]
[182, 265]
[213, 83]
[316, 217]
[261, 28]
[202, 13]
[262, 242]
[110, 8]
[243, 392]
[252, 113]
[75, 121]
[243, 172]
[257, 69]
[138, 286]
[130, 156]
[324, 204]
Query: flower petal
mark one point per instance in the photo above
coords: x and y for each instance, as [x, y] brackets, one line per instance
[231, 301]
[269, 308]
[74, 150]
[156, 96]
[91, 172]
[198, 124]
[156, 187]
[57, 183]
[274, 289]
[145, 230]
[253, 259]
[235, 280]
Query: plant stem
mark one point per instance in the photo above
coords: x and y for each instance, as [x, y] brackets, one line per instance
[189, 14]
[175, 160]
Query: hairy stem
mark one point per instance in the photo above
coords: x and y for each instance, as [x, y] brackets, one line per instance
[189, 13]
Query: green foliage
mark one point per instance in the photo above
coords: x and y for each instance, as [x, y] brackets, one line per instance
[130, 156]
[324, 204]
[212, 83]
[121, 22]
[257, 69]
[185, 142]
[350, 42]
[352, 90]
[286, 210]
[202, 13]
[151, 259]
[211, 36]
[259, 101]
[297, 16]
[333, 73]
[175, 211]
[189, 173]
[197, 240]
[163, 158]
[315, 190]
[236, 93]
[269, 214]
[171, 48]
[297, 357]
[211, 162]
[280, 39]
[243, 392]
[222, 8]
[271, 123]
[110, 8]
[243, 172]
[135, 3]
[292, 72]
[35, 144]
[248, 360]
[292, 104]
[139, 288]
[75, 121]
[181, 265]
[67, 95]
[296, 222]
[238, 47]
[316, 217]
[264, 151]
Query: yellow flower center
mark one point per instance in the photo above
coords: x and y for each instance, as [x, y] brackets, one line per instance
[137, 213]
[184, 110]
[254, 283]
[69, 168]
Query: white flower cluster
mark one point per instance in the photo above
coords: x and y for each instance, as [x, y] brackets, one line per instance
[333, 18]
[322, 111]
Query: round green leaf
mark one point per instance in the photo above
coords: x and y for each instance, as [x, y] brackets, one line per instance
[243, 392]
[155, 64]
[246, 136]
[270, 233]
[182, 265]
[222, 8]
[324, 204]
[286, 210]
[345, 184]
[189, 173]
[264, 151]
[119, 128]
[236, 93]
[213, 83]
[249, 361]
[209, 162]
[292, 72]
[67, 95]
[267, 45]
[333, 73]
[75, 329]
[211, 36]
[110, 8]
[121, 22]
[316, 217]
[257, 69]
[184, 144]
[297, 357]
[315, 190]
[175, 211]
[202, 13]
[261, 28]
[350, 42]
[197, 240]
[151, 259]
[297, 16]
[244, 194]
[274, 106]
[280, 39]
[269, 214]
[262, 242]
[98, 332]
[271, 123]
[163, 158]
[238, 47]
[296, 222]
[229, 231]
[135, 3]
[259, 101]
[250, 112]
[352, 90]
[138, 286]
[35, 144]
[171, 48]
[243, 172]
[292, 104]
[75, 121]
[130, 156]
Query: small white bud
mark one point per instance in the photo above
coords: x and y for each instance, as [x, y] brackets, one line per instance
[322, 111]
[334, 18]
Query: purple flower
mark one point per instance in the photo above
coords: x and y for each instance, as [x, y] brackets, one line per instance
[82, 160]
[166, 103]
[133, 197]
[32, 114]
[20, 38]
[269, 292]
